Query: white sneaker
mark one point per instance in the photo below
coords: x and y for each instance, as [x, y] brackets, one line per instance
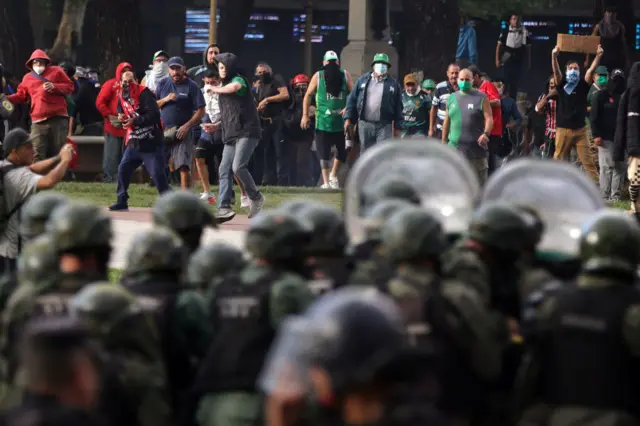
[208, 197]
[325, 186]
[256, 206]
[333, 183]
[245, 202]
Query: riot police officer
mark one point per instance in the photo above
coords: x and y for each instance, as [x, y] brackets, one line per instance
[210, 264]
[391, 187]
[349, 353]
[185, 214]
[326, 250]
[585, 345]
[154, 273]
[247, 309]
[82, 235]
[134, 387]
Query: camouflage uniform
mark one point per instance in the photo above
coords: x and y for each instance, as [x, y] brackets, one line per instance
[247, 309]
[33, 217]
[155, 265]
[134, 390]
[585, 342]
[210, 264]
[185, 214]
[446, 313]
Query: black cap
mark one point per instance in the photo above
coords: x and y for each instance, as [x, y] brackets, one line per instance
[15, 139]
[58, 333]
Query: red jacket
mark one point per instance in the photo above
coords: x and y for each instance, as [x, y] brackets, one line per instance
[107, 102]
[44, 104]
[492, 93]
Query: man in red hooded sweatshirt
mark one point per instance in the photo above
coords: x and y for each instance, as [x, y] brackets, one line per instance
[107, 104]
[45, 86]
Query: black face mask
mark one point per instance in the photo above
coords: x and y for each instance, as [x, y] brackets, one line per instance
[265, 78]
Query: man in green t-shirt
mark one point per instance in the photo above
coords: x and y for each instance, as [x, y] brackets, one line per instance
[416, 106]
[331, 86]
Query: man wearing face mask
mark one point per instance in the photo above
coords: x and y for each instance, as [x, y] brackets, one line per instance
[300, 137]
[571, 115]
[604, 111]
[468, 124]
[159, 70]
[45, 86]
[416, 106]
[273, 150]
[376, 103]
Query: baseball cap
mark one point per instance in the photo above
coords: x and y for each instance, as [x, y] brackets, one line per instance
[15, 139]
[176, 61]
[617, 72]
[160, 53]
[601, 70]
[410, 78]
[330, 55]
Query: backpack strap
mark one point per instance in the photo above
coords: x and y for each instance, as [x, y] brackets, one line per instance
[39, 77]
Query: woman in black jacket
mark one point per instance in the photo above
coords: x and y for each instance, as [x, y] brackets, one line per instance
[627, 136]
[140, 116]
[604, 110]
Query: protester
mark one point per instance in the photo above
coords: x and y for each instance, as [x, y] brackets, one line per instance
[440, 97]
[240, 133]
[140, 117]
[467, 49]
[416, 107]
[182, 106]
[208, 63]
[210, 144]
[513, 45]
[603, 116]
[107, 104]
[299, 137]
[375, 103]
[331, 87]
[546, 106]
[21, 178]
[600, 79]
[272, 97]
[613, 40]
[495, 100]
[468, 125]
[511, 119]
[428, 88]
[572, 110]
[89, 119]
[45, 86]
[158, 71]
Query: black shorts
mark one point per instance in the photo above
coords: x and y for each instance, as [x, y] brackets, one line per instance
[326, 140]
[209, 149]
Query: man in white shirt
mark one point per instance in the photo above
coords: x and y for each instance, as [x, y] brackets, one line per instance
[210, 144]
[21, 178]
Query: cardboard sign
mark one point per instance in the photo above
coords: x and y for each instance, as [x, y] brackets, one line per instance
[578, 44]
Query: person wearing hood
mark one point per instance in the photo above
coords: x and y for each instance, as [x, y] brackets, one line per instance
[627, 135]
[45, 86]
[159, 70]
[240, 134]
[613, 40]
[140, 117]
[208, 62]
[604, 109]
[107, 104]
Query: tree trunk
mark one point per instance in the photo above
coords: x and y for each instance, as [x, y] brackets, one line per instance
[430, 35]
[234, 17]
[69, 30]
[16, 37]
[118, 33]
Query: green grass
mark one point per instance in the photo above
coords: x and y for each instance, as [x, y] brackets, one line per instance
[624, 205]
[104, 194]
[115, 275]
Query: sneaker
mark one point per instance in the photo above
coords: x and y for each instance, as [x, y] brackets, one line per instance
[224, 214]
[119, 207]
[256, 206]
[333, 183]
[208, 197]
[245, 202]
[325, 186]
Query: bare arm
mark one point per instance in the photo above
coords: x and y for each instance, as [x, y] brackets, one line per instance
[311, 91]
[52, 178]
[228, 89]
[498, 52]
[495, 103]
[555, 66]
[488, 116]
[196, 118]
[44, 166]
[541, 104]
[432, 118]
[162, 102]
[445, 128]
[588, 76]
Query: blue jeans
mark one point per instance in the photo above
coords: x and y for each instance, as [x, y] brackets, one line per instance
[235, 158]
[372, 133]
[154, 162]
[111, 157]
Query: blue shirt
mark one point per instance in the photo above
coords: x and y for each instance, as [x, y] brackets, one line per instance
[509, 111]
[467, 47]
[189, 99]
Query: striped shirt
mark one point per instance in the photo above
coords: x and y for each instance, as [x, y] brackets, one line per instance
[440, 98]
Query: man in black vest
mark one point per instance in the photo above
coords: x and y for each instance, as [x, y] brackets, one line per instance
[586, 343]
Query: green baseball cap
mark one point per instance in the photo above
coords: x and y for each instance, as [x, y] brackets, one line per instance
[381, 57]
[602, 70]
[330, 55]
[160, 53]
[428, 84]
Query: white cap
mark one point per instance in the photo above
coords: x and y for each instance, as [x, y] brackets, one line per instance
[330, 55]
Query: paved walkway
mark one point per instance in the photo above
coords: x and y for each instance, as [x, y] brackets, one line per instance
[128, 224]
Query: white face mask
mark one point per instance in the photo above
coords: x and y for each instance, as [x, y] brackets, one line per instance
[160, 68]
[380, 69]
[38, 69]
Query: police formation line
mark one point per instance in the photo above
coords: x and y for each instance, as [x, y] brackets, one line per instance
[428, 301]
